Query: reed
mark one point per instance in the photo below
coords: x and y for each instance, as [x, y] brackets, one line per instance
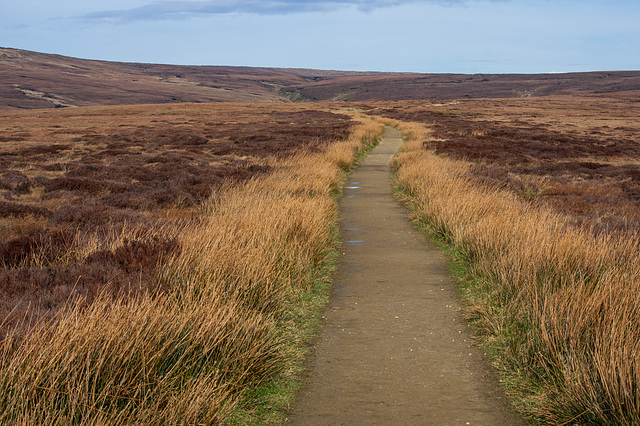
[557, 305]
[229, 317]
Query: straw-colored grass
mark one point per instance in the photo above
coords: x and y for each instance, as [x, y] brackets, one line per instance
[558, 306]
[230, 320]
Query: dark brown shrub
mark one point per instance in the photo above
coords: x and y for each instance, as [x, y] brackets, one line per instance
[83, 185]
[8, 208]
[44, 149]
[129, 200]
[136, 255]
[47, 245]
[55, 167]
[40, 180]
[16, 182]
[94, 216]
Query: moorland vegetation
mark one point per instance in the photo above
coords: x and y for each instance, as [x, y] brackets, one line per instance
[537, 200]
[161, 264]
[39, 80]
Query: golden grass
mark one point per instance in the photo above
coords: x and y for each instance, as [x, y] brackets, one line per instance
[571, 154]
[559, 306]
[345, 155]
[10, 226]
[226, 323]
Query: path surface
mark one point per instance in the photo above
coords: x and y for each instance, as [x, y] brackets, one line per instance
[394, 349]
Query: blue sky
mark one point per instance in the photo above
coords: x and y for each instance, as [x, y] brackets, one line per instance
[460, 36]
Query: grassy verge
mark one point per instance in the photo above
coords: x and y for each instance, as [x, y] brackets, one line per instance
[267, 403]
[224, 341]
[557, 307]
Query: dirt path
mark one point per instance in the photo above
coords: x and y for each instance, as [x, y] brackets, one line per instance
[394, 349]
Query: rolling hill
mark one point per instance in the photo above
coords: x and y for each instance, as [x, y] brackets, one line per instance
[39, 80]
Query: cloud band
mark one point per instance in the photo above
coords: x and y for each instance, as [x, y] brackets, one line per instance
[164, 10]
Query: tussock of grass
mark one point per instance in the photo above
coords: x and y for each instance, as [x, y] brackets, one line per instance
[227, 324]
[559, 307]
[363, 138]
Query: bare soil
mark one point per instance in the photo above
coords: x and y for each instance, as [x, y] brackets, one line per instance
[395, 348]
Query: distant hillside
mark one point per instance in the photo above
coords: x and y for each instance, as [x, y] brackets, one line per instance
[38, 80]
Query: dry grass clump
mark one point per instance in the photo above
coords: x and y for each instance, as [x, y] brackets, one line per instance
[559, 306]
[345, 155]
[226, 322]
[577, 156]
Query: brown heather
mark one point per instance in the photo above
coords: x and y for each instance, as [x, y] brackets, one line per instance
[577, 156]
[557, 304]
[92, 199]
[221, 319]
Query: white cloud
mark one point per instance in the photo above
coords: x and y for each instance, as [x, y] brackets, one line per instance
[165, 10]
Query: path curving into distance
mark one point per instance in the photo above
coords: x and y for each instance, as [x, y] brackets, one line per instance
[394, 349]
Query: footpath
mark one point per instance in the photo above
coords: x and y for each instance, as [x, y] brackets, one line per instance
[394, 349]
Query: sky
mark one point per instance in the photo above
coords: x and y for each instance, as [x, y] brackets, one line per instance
[428, 36]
